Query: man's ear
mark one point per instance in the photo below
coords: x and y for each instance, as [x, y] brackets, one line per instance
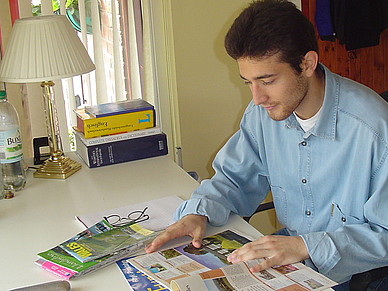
[309, 63]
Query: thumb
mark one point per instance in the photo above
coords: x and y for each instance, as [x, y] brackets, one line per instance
[198, 235]
[197, 243]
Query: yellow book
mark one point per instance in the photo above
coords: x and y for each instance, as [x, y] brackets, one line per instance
[93, 127]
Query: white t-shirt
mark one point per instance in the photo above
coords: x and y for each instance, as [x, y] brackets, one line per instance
[308, 124]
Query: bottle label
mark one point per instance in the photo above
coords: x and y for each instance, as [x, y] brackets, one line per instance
[10, 146]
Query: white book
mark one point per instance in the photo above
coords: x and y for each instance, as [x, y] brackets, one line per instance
[117, 137]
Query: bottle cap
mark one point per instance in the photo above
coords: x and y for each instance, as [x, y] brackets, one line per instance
[3, 94]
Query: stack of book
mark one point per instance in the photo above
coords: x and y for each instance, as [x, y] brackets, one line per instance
[141, 222]
[94, 248]
[118, 132]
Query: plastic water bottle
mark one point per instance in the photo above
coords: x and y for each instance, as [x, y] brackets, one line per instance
[11, 153]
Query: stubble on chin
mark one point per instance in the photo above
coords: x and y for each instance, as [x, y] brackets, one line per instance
[280, 113]
[283, 110]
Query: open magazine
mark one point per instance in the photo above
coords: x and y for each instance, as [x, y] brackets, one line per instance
[206, 268]
[293, 277]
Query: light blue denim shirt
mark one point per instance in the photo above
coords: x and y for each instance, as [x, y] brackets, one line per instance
[329, 185]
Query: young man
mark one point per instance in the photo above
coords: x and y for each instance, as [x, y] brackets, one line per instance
[318, 141]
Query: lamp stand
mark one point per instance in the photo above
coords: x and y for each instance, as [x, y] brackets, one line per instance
[57, 166]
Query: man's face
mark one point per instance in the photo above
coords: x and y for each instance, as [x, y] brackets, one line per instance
[275, 85]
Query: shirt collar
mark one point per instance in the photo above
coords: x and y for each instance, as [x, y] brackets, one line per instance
[326, 124]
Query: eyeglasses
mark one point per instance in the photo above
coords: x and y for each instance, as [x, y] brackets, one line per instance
[135, 216]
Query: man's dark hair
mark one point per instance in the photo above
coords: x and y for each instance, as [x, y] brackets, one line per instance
[267, 27]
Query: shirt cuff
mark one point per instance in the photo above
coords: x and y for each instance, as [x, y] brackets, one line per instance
[322, 250]
[217, 214]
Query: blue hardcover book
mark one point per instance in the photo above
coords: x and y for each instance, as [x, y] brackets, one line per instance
[122, 151]
[120, 107]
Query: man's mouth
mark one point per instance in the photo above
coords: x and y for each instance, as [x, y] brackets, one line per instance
[269, 107]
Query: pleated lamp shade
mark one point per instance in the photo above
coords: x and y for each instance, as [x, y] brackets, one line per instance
[43, 48]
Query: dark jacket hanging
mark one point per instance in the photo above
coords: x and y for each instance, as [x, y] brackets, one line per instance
[356, 23]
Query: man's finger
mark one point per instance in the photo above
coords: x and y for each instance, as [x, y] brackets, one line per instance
[192, 225]
[265, 264]
[156, 243]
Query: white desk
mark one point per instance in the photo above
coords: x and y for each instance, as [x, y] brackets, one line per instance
[42, 215]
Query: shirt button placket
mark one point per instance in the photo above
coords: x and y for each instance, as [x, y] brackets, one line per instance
[305, 187]
[305, 164]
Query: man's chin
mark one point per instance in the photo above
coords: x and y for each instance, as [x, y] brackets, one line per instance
[279, 116]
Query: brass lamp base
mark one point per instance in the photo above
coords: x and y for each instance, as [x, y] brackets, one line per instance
[57, 166]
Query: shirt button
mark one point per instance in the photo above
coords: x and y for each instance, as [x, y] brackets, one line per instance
[308, 212]
[343, 219]
[304, 143]
[304, 181]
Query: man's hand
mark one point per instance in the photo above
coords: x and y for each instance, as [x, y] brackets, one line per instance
[192, 225]
[279, 250]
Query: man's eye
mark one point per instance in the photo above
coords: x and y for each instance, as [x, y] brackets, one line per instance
[267, 82]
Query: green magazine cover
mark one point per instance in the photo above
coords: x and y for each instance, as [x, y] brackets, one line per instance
[59, 262]
[129, 238]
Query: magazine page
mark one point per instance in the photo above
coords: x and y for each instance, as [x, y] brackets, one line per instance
[137, 280]
[293, 277]
[194, 282]
[186, 260]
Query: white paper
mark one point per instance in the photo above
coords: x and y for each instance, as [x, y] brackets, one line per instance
[159, 212]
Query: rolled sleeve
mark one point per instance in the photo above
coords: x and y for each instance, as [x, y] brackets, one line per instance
[203, 207]
[322, 251]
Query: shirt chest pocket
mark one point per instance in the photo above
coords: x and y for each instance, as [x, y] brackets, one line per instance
[339, 219]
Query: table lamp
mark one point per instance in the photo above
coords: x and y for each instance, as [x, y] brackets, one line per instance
[42, 49]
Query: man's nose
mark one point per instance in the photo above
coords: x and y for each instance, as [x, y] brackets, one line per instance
[258, 94]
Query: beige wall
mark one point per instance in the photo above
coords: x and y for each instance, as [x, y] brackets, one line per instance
[211, 95]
